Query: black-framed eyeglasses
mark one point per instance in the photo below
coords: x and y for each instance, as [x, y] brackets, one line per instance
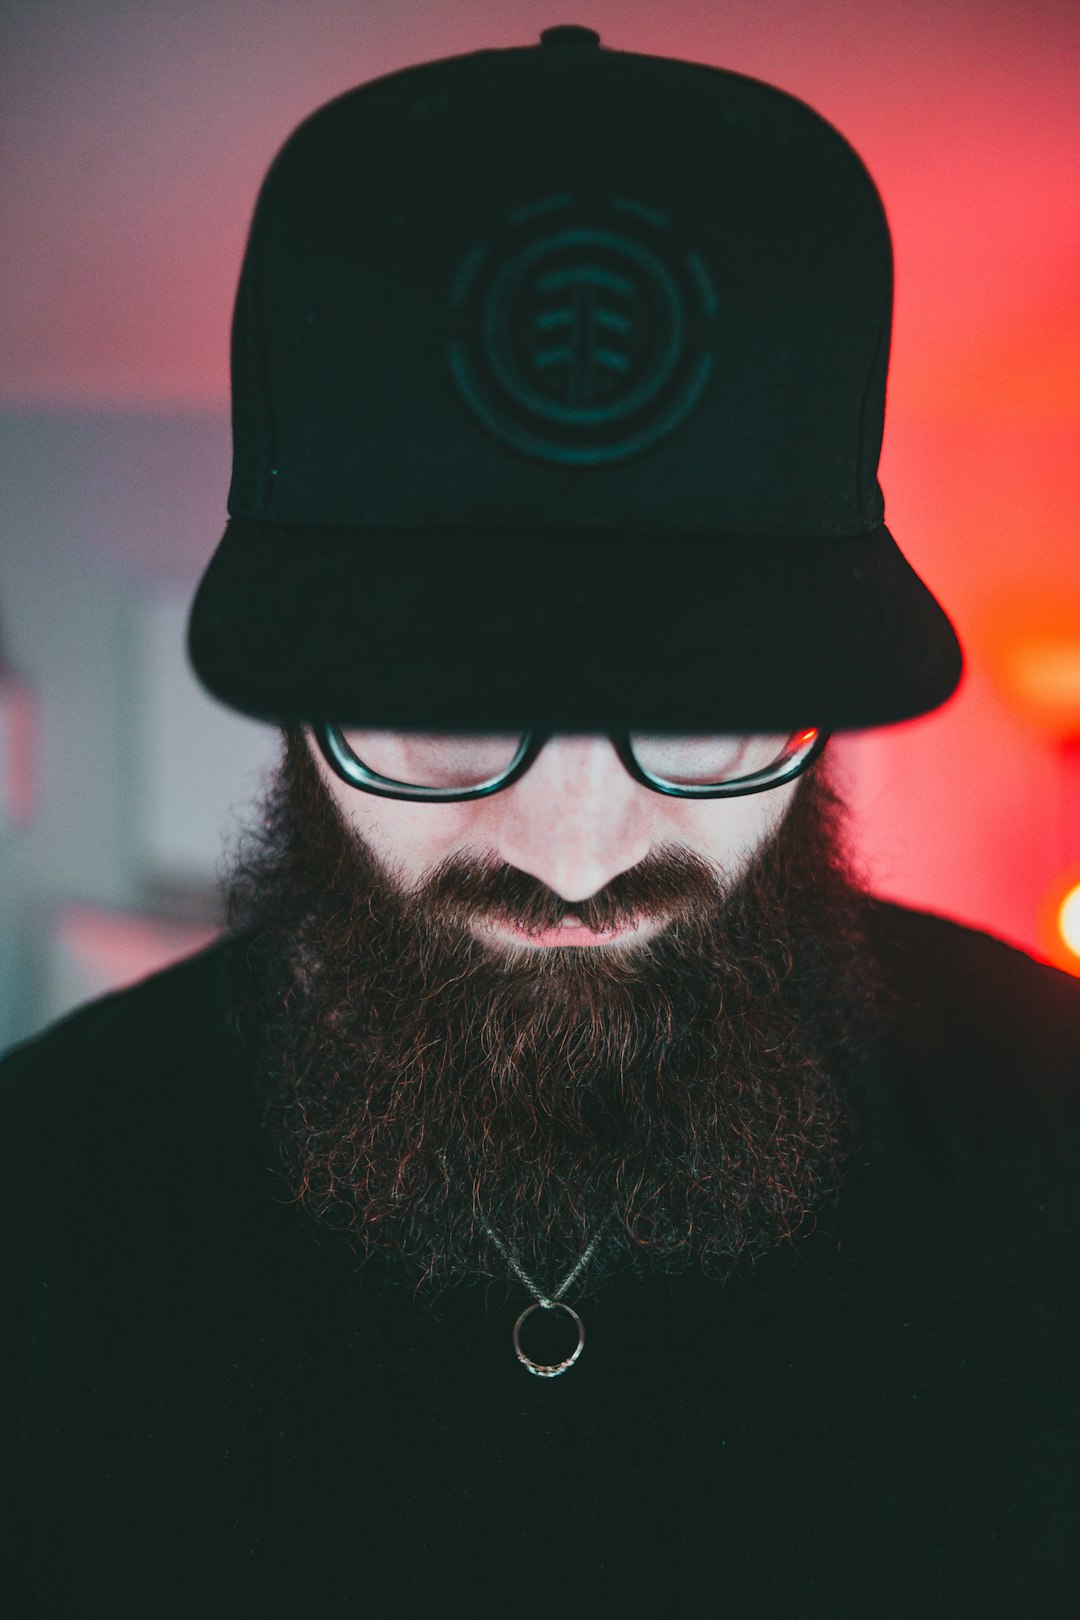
[449, 767]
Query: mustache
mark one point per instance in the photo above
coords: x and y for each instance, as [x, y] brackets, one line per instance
[672, 883]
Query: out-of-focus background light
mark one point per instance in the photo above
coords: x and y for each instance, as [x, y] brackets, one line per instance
[1059, 920]
[1029, 642]
[133, 140]
[1069, 919]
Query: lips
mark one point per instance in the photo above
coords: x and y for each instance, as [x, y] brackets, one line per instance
[570, 932]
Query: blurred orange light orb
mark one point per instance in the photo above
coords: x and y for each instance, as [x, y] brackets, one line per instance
[1069, 919]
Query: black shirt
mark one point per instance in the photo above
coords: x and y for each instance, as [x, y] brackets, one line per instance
[211, 1408]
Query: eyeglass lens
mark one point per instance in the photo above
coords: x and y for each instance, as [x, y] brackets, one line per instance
[439, 760]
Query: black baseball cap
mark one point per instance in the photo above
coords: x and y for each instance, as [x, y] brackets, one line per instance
[558, 381]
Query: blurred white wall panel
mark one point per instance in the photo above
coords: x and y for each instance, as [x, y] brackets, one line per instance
[202, 765]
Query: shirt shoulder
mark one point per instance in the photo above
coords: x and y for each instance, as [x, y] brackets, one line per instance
[978, 1075]
[971, 995]
[130, 1041]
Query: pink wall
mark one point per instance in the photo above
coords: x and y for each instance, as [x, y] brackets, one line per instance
[135, 139]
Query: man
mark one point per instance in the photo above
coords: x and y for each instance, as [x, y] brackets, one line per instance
[564, 1189]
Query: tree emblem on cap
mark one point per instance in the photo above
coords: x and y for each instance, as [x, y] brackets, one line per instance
[580, 342]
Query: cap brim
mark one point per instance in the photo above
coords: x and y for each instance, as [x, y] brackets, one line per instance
[574, 632]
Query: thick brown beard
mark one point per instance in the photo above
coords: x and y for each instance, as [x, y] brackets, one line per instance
[698, 1095]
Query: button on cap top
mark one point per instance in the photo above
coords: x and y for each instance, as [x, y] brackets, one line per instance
[569, 34]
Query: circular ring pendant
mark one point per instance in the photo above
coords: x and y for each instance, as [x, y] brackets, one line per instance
[560, 1366]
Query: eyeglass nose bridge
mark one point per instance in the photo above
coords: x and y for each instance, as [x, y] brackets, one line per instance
[344, 763]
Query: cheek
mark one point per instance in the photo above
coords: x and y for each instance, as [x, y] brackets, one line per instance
[730, 831]
[404, 837]
[409, 839]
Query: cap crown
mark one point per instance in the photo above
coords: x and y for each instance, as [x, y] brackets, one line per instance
[583, 287]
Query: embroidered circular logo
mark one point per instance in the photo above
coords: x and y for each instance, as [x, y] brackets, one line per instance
[580, 341]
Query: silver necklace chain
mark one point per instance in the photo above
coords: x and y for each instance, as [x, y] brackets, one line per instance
[547, 1302]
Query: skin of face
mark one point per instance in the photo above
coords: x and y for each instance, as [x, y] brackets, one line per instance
[574, 821]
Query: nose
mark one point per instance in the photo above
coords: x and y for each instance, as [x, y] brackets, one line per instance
[576, 819]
